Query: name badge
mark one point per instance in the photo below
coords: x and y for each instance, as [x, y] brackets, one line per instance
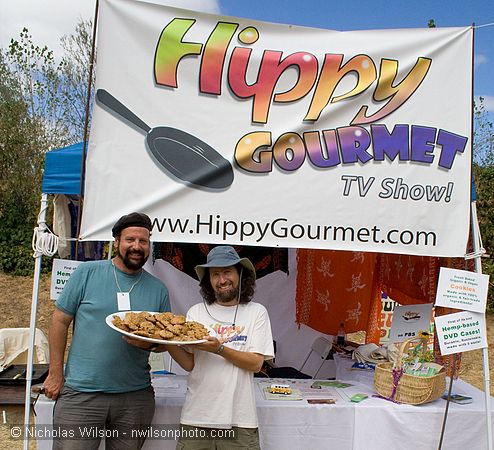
[123, 301]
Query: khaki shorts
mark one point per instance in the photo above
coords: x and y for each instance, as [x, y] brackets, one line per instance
[218, 438]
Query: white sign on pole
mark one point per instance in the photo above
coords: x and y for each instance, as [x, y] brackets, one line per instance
[61, 271]
[461, 289]
[461, 332]
[409, 320]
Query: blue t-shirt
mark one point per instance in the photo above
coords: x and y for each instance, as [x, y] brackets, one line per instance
[99, 359]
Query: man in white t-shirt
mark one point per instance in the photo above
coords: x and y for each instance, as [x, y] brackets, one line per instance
[220, 390]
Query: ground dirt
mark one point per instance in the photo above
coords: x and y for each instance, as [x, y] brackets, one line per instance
[15, 309]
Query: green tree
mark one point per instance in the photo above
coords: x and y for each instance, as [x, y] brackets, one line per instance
[20, 172]
[41, 86]
[484, 185]
[483, 170]
[42, 106]
[75, 72]
[19, 162]
[483, 135]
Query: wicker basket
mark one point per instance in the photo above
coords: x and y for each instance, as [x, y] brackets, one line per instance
[397, 386]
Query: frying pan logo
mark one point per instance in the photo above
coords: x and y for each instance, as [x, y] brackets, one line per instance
[176, 152]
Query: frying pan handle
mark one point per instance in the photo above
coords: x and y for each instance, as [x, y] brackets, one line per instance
[111, 102]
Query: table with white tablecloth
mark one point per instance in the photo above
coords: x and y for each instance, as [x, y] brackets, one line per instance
[374, 423]
[345, 371]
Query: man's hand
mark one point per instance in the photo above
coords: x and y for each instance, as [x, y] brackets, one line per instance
[138, 343]
[245, 360]
[53, 384]
[57, 337]
[212, 345]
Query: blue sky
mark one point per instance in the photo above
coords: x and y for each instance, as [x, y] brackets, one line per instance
[48, 20]
[380, 14]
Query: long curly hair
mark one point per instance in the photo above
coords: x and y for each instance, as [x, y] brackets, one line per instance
[248, 285]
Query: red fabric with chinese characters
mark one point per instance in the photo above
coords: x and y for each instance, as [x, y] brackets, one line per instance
[336, 287]
[409, 280]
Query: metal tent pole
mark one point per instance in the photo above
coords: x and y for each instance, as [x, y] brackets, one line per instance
[32, 324]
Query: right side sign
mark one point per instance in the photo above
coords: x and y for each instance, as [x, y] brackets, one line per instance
[460, 332]
[465, 330]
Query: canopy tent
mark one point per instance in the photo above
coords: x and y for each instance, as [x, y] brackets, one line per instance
[62, 173]
[62, 177]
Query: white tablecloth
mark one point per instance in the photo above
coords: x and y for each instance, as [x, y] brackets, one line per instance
[372, 424]
[345, 372]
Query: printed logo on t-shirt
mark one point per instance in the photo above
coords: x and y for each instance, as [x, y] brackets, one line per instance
[229, 333]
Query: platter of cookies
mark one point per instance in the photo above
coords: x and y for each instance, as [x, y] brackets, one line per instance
[158, 327]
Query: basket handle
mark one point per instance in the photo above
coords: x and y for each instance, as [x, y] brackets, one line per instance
[405, 345]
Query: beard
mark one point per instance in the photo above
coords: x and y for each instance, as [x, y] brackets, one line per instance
[226, 296]
[132, 264]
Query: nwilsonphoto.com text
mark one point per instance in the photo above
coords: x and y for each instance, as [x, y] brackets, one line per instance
[156, 431]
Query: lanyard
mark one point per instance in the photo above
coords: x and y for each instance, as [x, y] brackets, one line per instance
[118, 285]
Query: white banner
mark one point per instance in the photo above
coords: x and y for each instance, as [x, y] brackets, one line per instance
[228, 130]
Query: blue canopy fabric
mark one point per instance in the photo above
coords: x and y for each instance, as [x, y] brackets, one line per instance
[63, 170]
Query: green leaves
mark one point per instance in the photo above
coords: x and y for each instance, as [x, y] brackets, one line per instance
[483, 169]
[42, 106]
[484, 186]
[483, 135]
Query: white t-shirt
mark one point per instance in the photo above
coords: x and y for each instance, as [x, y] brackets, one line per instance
[220, 394]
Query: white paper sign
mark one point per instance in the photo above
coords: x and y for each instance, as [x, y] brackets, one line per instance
[61, 271]
[461, 332]
[461, 289]
[409, 320]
